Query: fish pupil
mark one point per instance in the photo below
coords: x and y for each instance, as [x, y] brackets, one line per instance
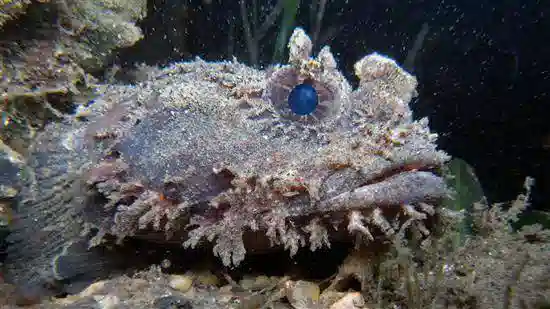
[303, 99]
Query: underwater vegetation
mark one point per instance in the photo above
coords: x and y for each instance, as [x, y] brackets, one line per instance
[241, 162]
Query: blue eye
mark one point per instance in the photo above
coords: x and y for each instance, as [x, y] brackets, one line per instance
[303, 99]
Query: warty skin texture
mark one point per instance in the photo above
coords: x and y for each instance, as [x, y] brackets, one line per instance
[203, 153]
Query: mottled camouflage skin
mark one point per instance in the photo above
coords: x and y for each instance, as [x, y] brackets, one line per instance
[205, 152]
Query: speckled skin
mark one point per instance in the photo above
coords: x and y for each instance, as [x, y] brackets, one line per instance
[208, 152]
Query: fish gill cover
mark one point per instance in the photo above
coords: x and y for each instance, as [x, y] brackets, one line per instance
[210, 152]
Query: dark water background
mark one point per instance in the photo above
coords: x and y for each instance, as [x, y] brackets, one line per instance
[483, 69]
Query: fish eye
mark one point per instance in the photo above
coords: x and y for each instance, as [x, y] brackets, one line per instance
[303, 99]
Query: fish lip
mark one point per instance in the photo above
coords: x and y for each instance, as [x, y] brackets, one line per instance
[395, 190]
[393, 170]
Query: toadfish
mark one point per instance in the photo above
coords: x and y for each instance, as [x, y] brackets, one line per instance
[208, 152]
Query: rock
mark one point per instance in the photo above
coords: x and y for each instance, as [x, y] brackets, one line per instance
[350, 301]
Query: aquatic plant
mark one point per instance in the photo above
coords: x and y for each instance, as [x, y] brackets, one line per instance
[496, 267]
[256, 26]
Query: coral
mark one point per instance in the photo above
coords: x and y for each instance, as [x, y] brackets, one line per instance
[210, 153]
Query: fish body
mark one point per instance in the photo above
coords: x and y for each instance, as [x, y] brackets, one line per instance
[206, 153]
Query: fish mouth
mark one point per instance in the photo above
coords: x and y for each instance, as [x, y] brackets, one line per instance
[392, 189]
[389, 203]
[403, 188]
[405, 191]
[415, 166]
[400, 184]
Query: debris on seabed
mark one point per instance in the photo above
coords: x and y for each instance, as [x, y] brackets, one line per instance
[154, 289]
